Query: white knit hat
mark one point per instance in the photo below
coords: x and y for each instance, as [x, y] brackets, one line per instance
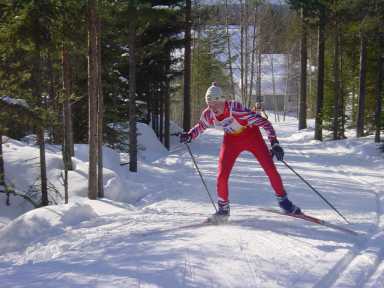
[214, 93]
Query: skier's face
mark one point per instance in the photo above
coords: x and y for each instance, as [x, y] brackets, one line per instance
[217, 107]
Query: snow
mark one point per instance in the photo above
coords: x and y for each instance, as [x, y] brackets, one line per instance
[122, 78]
[13, 101]
[146, 232]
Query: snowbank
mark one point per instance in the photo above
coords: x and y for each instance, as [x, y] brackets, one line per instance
[43, 223]
[38, 224]
[14, 101]
[120, 184]
[152, 147]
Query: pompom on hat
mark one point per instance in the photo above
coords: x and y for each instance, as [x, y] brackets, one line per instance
[214, 93]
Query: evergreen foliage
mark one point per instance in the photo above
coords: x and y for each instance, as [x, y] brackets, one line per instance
[206, 68]
[353, 19]
[32, 34]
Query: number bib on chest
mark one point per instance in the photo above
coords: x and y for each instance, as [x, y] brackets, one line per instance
[230, 125]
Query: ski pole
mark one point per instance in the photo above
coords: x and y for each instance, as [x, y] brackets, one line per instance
[317, 192]
[201, 176]
[198, 170]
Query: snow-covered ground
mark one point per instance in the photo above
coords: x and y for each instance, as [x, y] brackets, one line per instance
[143, 233]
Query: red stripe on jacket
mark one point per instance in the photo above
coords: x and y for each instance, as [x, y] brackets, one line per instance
[243, 115]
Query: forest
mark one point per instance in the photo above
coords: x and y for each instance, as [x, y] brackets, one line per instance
[77, 71]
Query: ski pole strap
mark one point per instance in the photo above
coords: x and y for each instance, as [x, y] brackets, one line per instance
[317, 192]
[201, 176]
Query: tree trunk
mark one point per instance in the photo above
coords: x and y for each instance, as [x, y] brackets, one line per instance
[66, 134]
[354, 69]
[2, 170]
[100, 115]
[320, 77]
[36, 92]
[362, 88]
[379, 90]
[258, 81]
[132, 97]
[253, 55]
[246, 55]
[167, 111]
[343, 93]
[229, 50]
[43, 167]
[67, 159]
[303, 75]
[309, 75]
[187, 67]
[66, 194]
[196, 81]
[152, 105]
[52, 99]
[67, 109]
[92, 98]
[155, 117]
[286, 89]
[148, 96]
[161, 113]
[274, 98]
[242, 51]
[336, 74]
[70, 133]
[157, 112]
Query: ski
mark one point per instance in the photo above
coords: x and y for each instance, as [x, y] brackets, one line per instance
[312, 219]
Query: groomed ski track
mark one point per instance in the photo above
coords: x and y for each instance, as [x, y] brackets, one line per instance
[157, 244]
[362, 264]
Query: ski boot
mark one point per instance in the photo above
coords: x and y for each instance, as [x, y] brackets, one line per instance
[287, 206]
[222, 215]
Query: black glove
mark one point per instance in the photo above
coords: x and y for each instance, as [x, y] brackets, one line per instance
[185, 137]
[277, 151]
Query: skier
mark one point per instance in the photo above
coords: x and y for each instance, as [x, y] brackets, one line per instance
[241, 133]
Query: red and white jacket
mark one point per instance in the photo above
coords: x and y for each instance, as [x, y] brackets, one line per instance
[234, 120]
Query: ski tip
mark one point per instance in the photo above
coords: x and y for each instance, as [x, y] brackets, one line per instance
[314, 220]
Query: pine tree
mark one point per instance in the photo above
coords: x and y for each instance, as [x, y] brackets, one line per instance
[187, 66]
[92, 96]
[2, 182]
[132, 92]
[320, 74]
[311, 9]
[303, 75]
[379, 89]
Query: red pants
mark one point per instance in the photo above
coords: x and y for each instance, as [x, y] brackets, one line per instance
[249, 140]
